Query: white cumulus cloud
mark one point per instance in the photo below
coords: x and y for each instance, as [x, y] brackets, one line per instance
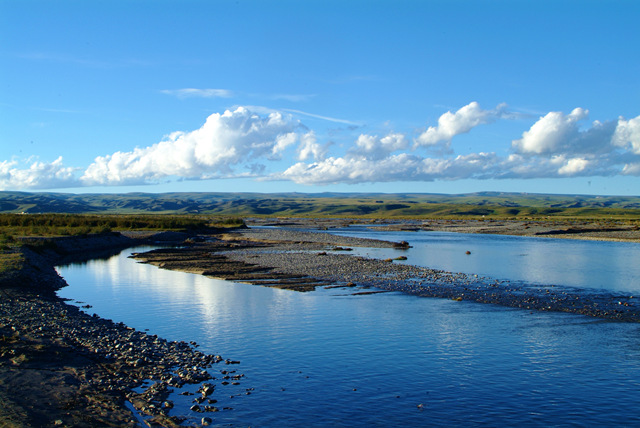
[556, 145]
[551, 132]
[311, 148]
[38, 175]
[224, 141]
[400, 167]
[374, 147]
[627, 134]
[573, 166]
[241, 142]
[282, 142]
[460, 122]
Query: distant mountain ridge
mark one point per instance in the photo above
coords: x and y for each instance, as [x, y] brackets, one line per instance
[318, 204]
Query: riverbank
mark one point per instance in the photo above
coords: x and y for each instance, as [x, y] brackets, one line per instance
[562, 229]
[60, 366]
[301, 260]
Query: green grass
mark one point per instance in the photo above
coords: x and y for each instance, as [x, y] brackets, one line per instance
[16, 225]
[14, 228]
[190, 206]
[10, 261]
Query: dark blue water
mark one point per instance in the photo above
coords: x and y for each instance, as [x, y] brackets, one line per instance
[327, 358]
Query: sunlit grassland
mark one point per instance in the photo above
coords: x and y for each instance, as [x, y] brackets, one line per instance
[80, 224]
[360, 205]
[402, 209]
[10, 258]
[10, 261]
[420, 208]
[54, 214]
[14, 228]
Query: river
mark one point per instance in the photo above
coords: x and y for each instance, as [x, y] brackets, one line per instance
[328, 358]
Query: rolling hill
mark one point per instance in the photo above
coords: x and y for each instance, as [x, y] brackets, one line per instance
[407, 205]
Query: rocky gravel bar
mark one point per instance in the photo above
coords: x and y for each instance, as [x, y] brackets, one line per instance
[304, 260]
[338, 267]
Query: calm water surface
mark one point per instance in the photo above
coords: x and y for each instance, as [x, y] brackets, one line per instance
[327, 358]
[614, 266]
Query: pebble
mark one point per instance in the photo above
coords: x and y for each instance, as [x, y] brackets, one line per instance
[134, 356]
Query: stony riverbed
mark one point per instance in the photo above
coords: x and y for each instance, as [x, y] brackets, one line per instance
[304, 260]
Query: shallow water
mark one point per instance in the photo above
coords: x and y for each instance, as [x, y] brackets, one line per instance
[327, 358]
[612, 266]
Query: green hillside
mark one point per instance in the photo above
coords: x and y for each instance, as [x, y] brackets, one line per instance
[487, 204]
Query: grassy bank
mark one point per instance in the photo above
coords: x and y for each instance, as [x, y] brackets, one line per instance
[79, 224]
[10, 261]
[17, 230]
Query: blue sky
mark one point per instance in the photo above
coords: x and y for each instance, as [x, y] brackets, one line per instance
[310, 96]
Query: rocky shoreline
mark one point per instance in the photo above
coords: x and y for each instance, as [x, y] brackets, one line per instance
[59, 366]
